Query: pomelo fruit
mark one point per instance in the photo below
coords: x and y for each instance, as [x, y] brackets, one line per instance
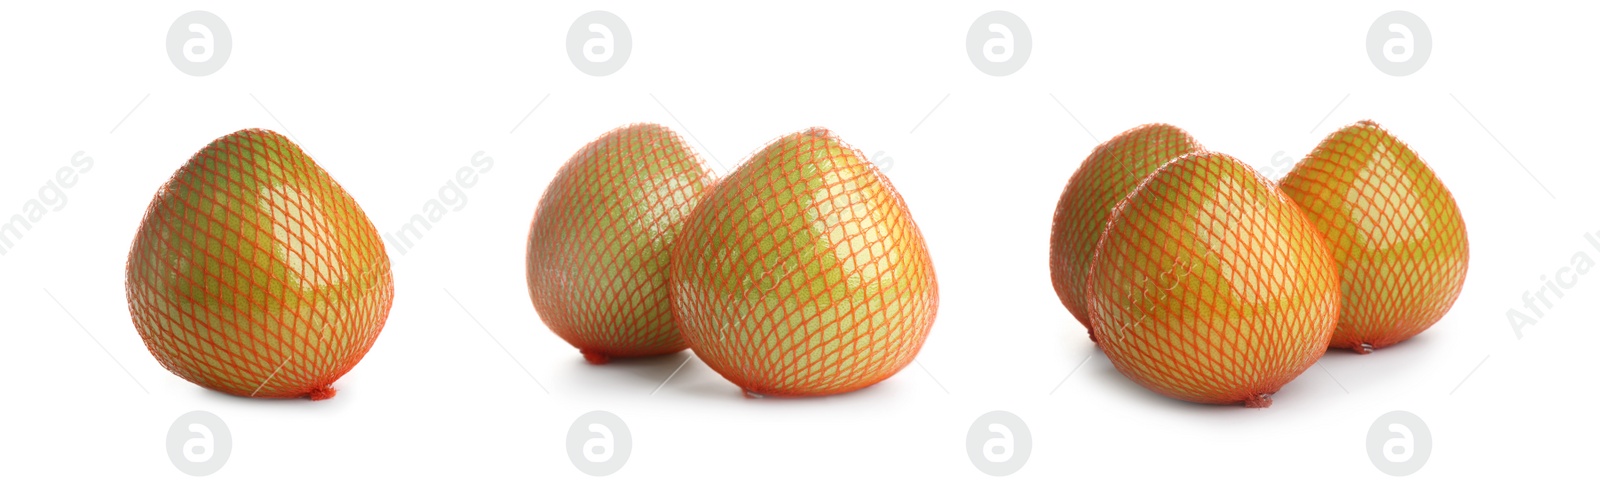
[254, 273]
[600, 242]
[1106, 177]
[1393, 228]
[1210, 286]
[802, 273]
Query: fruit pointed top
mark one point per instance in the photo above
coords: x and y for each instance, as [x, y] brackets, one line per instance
[811, 160]
[252, 147]
[815, 149]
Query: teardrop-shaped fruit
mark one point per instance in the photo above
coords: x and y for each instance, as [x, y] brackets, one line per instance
[1210, 286]
[803, 274]
[601, 241]
[1105, 178]
[1393, 228]
[253, 273]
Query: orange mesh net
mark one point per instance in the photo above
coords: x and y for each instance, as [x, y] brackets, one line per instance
[1393, 228]
[1210, 286]
[803, 274]
[600, 242]
[254, 273]
[1105, 178]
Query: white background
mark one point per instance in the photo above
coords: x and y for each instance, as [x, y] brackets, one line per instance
[393, 101]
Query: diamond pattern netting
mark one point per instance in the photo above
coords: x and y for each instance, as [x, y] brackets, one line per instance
[1104, 179]
[600, 242]
[1393, 228]
[255, 274]
[1210, 286]
[803, 274]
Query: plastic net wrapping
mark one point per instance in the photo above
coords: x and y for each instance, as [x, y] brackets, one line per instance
[1104, 179]
[1210, 286]
[255, 274]
[600, 242]
[803, 273]
[1393, 228]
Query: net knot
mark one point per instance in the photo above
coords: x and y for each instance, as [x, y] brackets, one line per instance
[595, 357]
[322, 393]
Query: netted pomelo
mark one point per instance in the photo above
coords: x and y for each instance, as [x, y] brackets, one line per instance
[1106, 177]
[1393, 228]
[600, 242]
[1210, 286]
[803, 274]
[255, 274]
